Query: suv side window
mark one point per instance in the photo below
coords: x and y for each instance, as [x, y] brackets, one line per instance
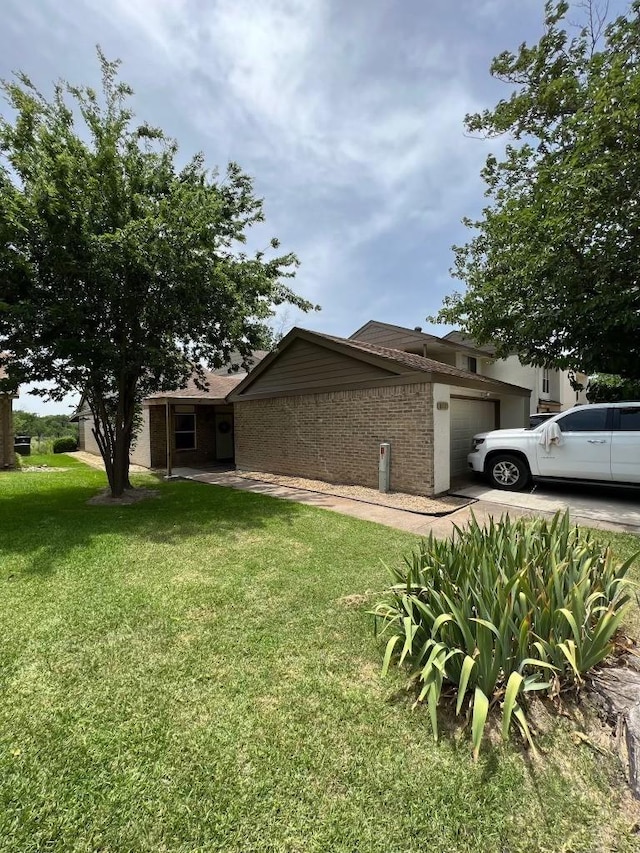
[629, 419]
[584, 420]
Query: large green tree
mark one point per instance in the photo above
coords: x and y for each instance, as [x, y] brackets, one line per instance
[553, 270]
[120, 273]
[44, 426]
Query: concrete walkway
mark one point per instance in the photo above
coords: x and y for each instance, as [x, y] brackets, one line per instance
[410, 522]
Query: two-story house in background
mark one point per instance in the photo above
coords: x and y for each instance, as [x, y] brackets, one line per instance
[551, 390]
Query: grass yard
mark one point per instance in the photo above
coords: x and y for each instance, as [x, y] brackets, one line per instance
[184, 675]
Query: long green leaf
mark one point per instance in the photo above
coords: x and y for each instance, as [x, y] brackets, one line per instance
[388, 652]
[467, 665]
[514, 684]
[518, 714]
[480, 711]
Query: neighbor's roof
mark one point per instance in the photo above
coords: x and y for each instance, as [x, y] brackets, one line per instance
[396, 361]
[220, 381]
[218, 388]
[448, 341]
[462, 339]
[417, 362]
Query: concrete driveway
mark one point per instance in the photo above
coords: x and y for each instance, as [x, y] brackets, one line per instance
[612, 506]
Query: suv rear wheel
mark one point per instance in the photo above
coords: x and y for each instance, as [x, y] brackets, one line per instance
[508, 472]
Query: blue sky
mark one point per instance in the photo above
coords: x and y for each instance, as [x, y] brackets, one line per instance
[348, 113]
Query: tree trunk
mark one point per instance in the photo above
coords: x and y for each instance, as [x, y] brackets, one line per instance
[120, 464]
[114, 419]
[617, 692]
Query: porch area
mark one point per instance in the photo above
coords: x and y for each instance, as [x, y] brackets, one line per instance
[189, 435]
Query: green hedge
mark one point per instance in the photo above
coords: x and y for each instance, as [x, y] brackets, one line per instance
[66, 444]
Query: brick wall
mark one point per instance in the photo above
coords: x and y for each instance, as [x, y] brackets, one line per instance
[205, 437]
[7, 453]
[335, 436]
[157, 437]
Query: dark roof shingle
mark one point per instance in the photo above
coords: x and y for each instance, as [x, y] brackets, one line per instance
[415, 362]
[219, 387]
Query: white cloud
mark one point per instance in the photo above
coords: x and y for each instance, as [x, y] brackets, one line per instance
[348, 114]
[282, 76]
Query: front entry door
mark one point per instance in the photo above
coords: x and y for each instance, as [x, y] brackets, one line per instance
[224, 436]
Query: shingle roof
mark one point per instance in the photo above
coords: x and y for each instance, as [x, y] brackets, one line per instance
[219, 387]
[400, 363]
[415, 362]
[454, 340]
[460, 338]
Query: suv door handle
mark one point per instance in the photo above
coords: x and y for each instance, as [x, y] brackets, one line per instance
[596, 441]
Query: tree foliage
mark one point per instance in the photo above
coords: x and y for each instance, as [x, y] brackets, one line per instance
[553, 270]
[121, 273]
[45, 426]
[604, 388]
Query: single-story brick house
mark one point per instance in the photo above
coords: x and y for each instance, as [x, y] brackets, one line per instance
[199, 424]
[319, 406]
[7, 452]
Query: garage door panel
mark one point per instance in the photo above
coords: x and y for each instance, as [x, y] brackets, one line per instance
[468, 417]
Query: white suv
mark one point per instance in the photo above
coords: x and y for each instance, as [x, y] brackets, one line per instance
[598, 442]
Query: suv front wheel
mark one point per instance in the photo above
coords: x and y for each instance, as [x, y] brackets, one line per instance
[508, 472]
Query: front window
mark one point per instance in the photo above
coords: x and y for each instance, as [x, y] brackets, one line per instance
[185, 432]
[584, 420]
[472, 364]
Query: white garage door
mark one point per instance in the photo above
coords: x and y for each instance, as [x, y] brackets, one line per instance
[467, 418]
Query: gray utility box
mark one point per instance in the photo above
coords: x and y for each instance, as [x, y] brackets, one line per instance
[384, 467]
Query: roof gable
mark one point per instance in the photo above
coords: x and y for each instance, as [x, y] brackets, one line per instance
[389, 335]
[307, 361]
[306, 368]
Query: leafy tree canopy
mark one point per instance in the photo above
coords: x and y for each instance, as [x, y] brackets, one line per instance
[553, 271]
[604, 388]
[121, 273]
[45, 426]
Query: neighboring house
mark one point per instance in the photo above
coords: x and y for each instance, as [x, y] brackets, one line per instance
[199, 424]
[319, 406]
[551, 388]
[7, 452]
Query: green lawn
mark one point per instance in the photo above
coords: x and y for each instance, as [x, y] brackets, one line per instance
[182, 675]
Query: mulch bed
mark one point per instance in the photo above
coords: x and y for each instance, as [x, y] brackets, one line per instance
[130, 496]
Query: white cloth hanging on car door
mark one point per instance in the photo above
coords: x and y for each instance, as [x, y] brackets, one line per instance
[550, 435]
